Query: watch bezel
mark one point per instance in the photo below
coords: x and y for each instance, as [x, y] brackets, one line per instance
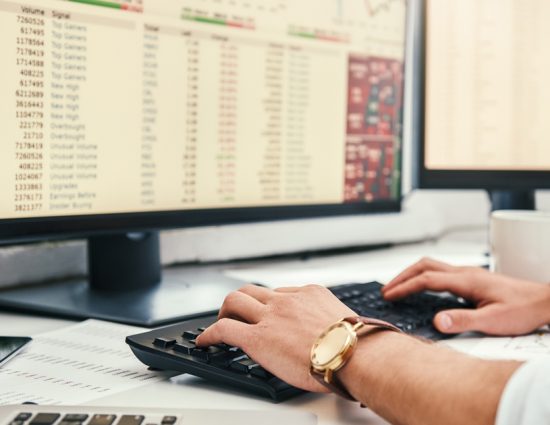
[340, 358]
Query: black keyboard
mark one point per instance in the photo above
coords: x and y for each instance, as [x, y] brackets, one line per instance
[173, 347]
[413, 315]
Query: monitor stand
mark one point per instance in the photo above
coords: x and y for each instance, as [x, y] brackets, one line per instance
[126, 284]
[512, 200]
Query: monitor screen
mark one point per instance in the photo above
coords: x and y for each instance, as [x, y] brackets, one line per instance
[142, 106]
[487, 91]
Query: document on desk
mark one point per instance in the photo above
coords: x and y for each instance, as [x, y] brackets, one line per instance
[514, 348]
[75, 365]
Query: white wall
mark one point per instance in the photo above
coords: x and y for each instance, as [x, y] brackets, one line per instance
[426, 215]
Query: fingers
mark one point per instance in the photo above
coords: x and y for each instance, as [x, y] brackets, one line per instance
[243, 306]
[426, 264]
[460, 320]
[460, 284]
[258, 292]
[492, 319]
[228, 331]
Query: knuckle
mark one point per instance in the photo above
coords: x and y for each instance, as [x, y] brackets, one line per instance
[244, 288]
[222, 325]
[428, 277]
[231, 299]
[471, 273]
[424, 261]
[282, 304]
[317, 289]
[276, 304]
[281, 307]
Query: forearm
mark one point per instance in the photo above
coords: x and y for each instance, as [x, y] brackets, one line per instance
[543, 307]
[411, 382]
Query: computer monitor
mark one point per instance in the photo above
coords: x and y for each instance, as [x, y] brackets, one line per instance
[121, 118]
[484, 96]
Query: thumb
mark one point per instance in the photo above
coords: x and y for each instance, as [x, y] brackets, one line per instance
[456, 321]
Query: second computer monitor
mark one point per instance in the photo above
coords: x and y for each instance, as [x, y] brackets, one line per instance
[486, 93]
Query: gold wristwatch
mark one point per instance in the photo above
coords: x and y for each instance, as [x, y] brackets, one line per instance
[336, 344]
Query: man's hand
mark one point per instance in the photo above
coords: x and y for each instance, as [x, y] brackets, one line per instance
[277, 328]
[505, 306]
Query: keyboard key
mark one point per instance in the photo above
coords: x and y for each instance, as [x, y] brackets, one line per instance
[102, 420]
[206, 353]
[392, 318]
[169, 420]
[164, 342]
[215, 351]
[201, 354]
[131, 420]
[356, 302]
[23, 417]
[223, 346]
[75, 417]
[277, 384]
[370, 312]
[242, 364]
[184, 347]
[190, 335]
[259, 372]
[45, 419]
[427, 320]
[16, 422]
[224, 360]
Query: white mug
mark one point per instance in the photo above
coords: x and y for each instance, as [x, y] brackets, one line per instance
[520, 244]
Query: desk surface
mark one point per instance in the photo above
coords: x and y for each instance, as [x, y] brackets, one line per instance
[187, 391]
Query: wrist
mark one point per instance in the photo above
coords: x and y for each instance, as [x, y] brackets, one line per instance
[545, 305]
[362, 370]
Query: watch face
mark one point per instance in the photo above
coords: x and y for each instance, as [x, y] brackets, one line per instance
[332, 344]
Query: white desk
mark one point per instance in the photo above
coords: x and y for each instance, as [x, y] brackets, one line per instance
[187, 391]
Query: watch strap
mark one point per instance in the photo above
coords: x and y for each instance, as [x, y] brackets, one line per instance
[368, 321]
[333, 384]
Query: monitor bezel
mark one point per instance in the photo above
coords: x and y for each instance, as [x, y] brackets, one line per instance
[83, 226]
[460, 179]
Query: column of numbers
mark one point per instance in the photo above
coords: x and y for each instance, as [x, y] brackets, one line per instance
[29, 113]
[191, 136]
[227, 121]
[149, 116]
